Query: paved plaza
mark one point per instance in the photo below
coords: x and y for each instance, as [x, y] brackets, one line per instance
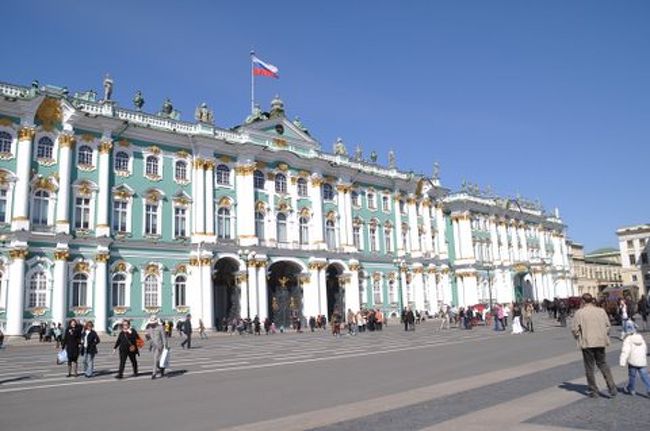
[389, 380]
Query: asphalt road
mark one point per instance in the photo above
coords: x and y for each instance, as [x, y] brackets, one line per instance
[230, 381]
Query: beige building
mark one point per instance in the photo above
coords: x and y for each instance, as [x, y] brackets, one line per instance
[594, 272]
[634, 242]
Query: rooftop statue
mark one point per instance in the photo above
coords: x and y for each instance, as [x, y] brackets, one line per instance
[256, 115]
[358, 154]
[373, 156]
[108, 88]
[436, 171]
[203, 114]
[88, 96]
[298, 124]
[167, 108]
[339, 148]
[138, 100]
[277, 107]
[392, 162]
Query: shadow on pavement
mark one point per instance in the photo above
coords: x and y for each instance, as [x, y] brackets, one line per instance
[572, 387]
[15, 379]
[175, 373]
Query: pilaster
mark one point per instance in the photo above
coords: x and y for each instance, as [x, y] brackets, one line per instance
[101, 289]
[20, 219]
[198, 202]
[103, 228]
[209, 202]
[59, 306]
[66, 145]
[16, 291]
[317, 209]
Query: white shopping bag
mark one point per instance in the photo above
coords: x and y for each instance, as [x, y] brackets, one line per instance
[62, 357]
[164, 358]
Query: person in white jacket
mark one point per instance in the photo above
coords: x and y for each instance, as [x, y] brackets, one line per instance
[633, 355]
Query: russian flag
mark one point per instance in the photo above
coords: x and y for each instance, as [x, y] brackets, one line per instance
[261, 68]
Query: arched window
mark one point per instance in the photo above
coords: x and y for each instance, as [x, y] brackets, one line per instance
[302, 187]
[3, 205]
[151, 166]
[372, 204]
[180, 173]
[223, 223]
[280, 183]
[328, 192]
[45, 148]
[5, 142]
[37, 290]
[259, 225]
[79, 290]
[151, 291]
[330, 234]
[122, 161]
[258, 180]
[304, 230]
[373, 238]
[223, 175]
[85, 156]
[356, 237]
[41, 208]
[385, 203]
[282, 227]
[409, 292]
[355, 199]
[179, 291]
[388, 240]
[392, 292]
[118, 290]
[376, 292]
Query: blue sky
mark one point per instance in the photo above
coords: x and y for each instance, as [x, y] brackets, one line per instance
[550, 99]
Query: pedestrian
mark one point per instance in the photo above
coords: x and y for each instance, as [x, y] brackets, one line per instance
[643, 311]
[202, 333]
[127, 342]
[528, 312]
[312, 324]
[591, 330]
[410, 320]
[634, 356]
[70, 343]
[186, 329]
[58, 335]
[516, 320]
[351, 322]
[562, 312]
[157, 343]
[257, 325]
[89, 342]
[267, 325]
[2, 338]
[622, 312]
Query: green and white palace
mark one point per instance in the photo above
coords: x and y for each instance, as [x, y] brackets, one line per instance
[109, 213]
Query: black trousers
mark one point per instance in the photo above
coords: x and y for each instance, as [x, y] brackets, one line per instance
[134, 362]
[595, 357]
[187, 341]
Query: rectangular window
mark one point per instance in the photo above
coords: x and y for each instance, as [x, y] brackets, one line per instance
[630, 243]
[180, 222]
[632, 259]
[373, 240]
[151, 219]
[120, 216]
[385, 203]
[3, 205]
[82, 213]
[387, 240]
[642, 242]
[356, 237]
[644, 258]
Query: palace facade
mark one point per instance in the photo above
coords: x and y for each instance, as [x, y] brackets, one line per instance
[109, 213]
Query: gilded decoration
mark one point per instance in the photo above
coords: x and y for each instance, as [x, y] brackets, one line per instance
[45, 183]
[410, 200]
[119, 310]
[260, 206]
[61, 254]
[343, 188]
[225, 159]
[153, 196]
[304, 212]
[85, 188]
[82, 266]
[87, 137]
[6, 122]
[66, 141]
[122, 194]
[392, 276]
[18, 253]
[152, 269]
[4, 178]
[280, 143]
[270, 176]
[39, 311]
[105, 147]
[354, 266]
[331, 216]
[283, 167]
[260, 165]
[304, 278]
[241, 278]
[152, 310]
[153, 150]
[209, 165]
[198, 163]
[49, 113]
[181, 268]
[123, 143]
[225, 202]
[120, 267]
[182, 200]
[195, 261]
[303, 174]
[80, 311]
[376, 276]
[206, 261]
[26, 133]
[102, 257]
[245, 170]
[182, 154]
[418, 270]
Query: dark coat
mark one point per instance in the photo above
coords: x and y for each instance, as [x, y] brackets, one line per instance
[187, 327]
[126, 339]
[71, 342]
[93, 341]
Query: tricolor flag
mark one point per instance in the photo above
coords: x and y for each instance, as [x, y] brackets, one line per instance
[261, 68]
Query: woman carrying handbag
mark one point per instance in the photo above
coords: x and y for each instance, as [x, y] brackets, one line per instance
[70, 343]
[127, 343]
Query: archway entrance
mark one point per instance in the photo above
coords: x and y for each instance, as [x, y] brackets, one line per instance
[335, 292]
[523, 287]
[226, 292]
[284, 293]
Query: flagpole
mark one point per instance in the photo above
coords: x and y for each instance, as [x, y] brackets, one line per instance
[252, 83]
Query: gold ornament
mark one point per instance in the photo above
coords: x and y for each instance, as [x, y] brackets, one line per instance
[49, 113]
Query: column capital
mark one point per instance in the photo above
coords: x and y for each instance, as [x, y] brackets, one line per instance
[61, 254]
[209, 164]
[198, 163]
[246, 169]
[26, 133]
[102, 257]
[105, 146]
[66, 140]
[18, 253]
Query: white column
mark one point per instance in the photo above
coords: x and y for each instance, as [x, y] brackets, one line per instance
[413, 226]
[343, 212]
[59, 305]
[16, 292]
[316, 233]
[243, 296]
[66, 144]
[251, 279]
[428, 245]
[465, 230]
[445, 287]
[209, 201]
[418, 287]
[310, 292]
[208, 293]
[194, 293]
[457, 237]
[103, 228]
[405, 300]
[442, 232]
[101, 290]
[322, 290]
[262, 293]
[20, 219]
[198, 202]
[352, 288]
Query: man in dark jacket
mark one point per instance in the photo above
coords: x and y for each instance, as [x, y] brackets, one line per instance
[187, 331]
[89, 342]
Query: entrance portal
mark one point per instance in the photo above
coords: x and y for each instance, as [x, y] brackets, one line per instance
[226, 292]
[523, 287]
[284, 294]
[335, 292]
